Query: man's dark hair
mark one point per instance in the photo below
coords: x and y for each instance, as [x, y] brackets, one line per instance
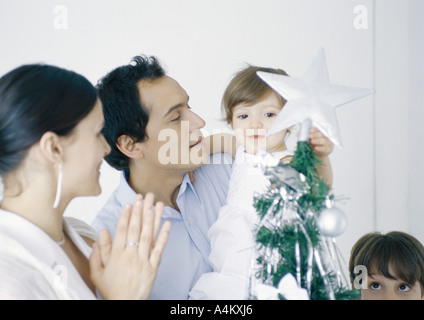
[124, 114]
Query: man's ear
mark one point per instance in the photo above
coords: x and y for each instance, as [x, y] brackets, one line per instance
[51, 147]
[129, 147]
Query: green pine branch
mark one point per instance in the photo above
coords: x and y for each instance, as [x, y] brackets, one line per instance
[282, 238]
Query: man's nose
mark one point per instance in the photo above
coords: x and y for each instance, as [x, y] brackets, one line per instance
[196, 122]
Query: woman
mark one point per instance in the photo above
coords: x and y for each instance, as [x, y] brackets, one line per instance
[51, 149]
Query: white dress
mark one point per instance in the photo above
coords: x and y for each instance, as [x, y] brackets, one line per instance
[33, 266]
[231, 236]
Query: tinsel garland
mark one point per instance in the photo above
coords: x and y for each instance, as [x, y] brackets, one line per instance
[287, 237]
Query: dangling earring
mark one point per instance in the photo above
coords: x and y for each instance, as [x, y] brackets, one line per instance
[59, 186]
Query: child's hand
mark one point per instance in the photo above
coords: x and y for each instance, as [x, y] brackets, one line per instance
[320, 144]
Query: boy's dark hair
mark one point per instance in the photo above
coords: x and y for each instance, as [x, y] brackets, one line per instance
[123, 112]
[401, 251]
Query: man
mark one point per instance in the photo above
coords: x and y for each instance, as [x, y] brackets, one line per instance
[156, 140]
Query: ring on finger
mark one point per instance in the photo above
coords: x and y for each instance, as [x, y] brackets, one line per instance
[132, 243]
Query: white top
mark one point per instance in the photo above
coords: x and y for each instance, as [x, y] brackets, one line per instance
[33, 266]
[231, 236]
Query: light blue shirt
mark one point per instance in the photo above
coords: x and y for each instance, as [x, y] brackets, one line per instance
[185, 257]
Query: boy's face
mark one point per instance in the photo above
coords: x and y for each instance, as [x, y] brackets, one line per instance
[380, 287]
[252, 122]
[175, 140]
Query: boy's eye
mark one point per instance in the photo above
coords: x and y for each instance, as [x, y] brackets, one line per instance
[375, 286]
[269, 114]
[404, 287]
[242, 116]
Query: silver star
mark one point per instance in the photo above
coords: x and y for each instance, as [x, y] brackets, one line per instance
[312, 97]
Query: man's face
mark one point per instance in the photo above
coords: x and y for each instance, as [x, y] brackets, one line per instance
[174, 141]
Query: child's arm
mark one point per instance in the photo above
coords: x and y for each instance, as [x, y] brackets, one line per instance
[322, 147]
[221, 143]
[320, 144]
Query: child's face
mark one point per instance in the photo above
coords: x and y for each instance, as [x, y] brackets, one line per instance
[380, 287]
[252, 122]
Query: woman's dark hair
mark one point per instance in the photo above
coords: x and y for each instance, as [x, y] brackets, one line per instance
[123, 111]
[35, 99]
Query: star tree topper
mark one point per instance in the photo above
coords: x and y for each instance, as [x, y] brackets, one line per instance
[312, 97]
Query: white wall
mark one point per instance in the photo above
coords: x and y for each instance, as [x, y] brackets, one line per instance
[399, 50]
[392, 67]
[202, 43]
[415, 119]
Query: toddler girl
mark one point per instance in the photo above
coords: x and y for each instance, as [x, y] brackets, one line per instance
[251, 107]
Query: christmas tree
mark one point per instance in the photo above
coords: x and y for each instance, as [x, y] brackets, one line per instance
[297, 227]
[297, 257]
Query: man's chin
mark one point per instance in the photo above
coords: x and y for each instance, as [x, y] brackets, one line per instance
[197, 162]
[187, 166]
[198, 157]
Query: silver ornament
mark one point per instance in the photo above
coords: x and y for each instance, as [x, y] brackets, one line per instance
[332, 222]
[283, 175]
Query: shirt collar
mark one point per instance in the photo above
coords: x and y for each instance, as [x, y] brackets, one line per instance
[126, 194]
[41, 246]
[187, 185]
[30, 236]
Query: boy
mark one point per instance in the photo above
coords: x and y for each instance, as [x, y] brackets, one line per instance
[388, 267]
